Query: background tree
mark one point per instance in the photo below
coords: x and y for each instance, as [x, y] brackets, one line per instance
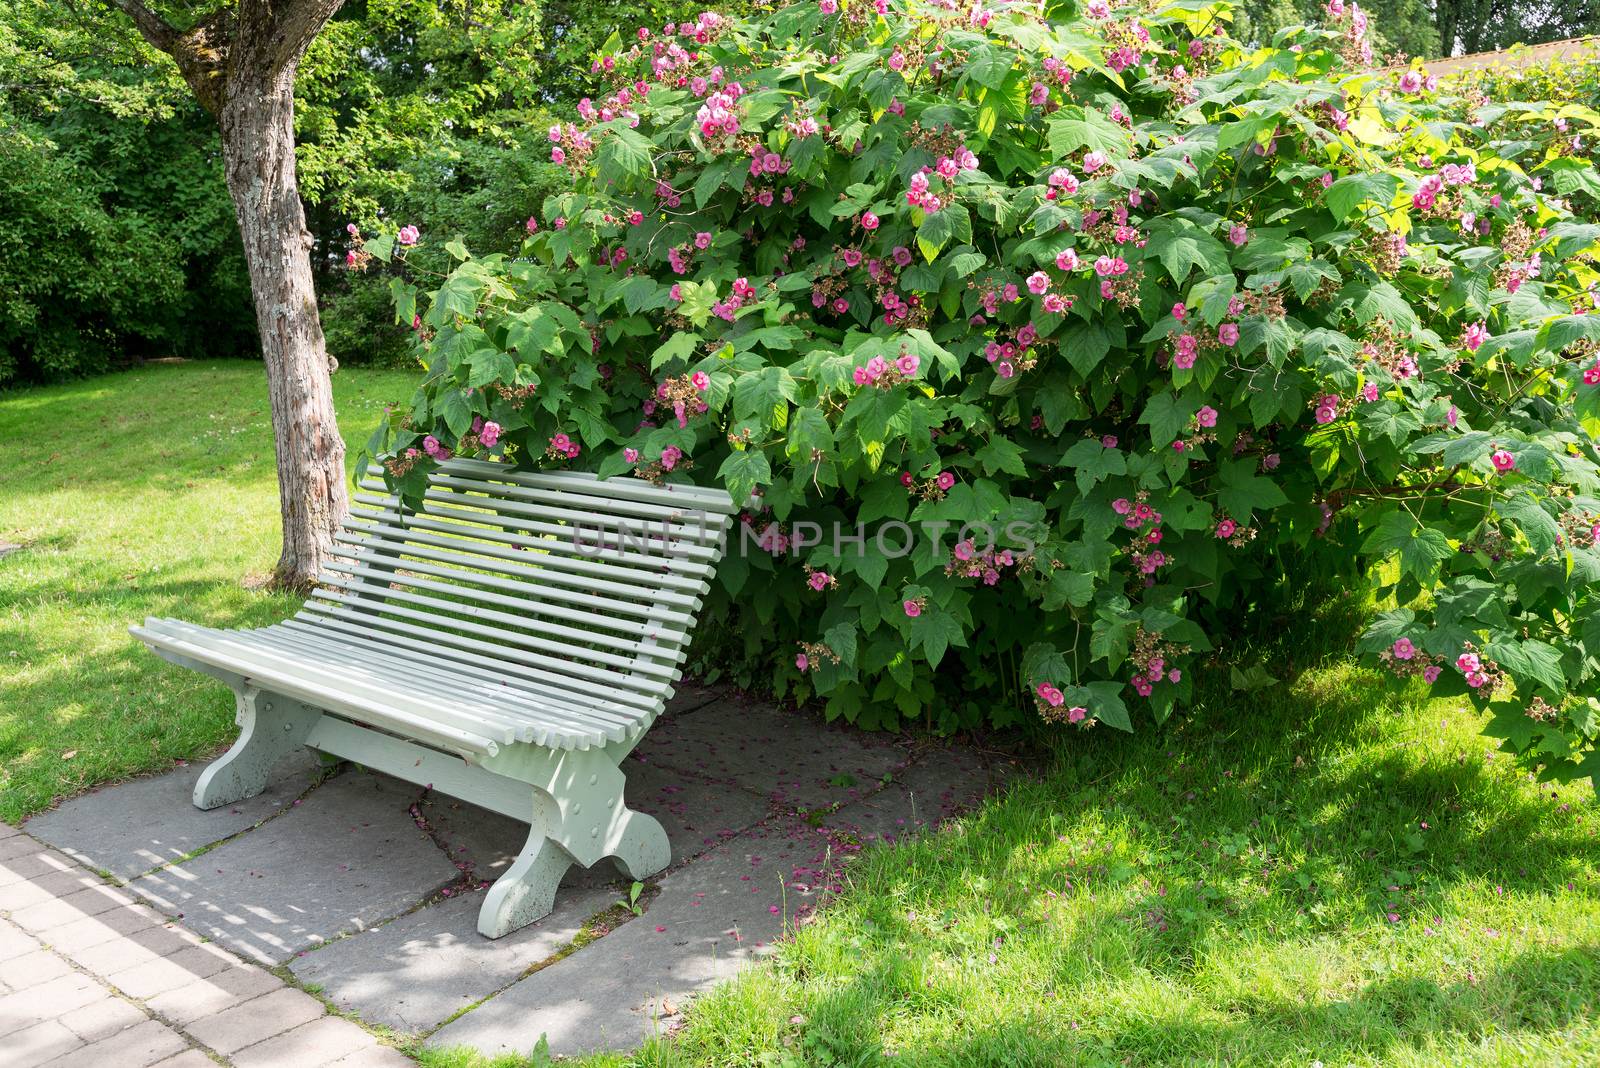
[1434, 28]
[240, 59]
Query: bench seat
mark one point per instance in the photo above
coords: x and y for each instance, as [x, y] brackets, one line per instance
[508, 641]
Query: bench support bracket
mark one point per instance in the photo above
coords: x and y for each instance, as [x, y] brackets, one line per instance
[578, 817]
[271, 727]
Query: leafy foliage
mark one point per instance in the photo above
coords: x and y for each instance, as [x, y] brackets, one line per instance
[1084, 283]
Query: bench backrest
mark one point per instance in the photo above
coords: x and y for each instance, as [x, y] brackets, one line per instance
[568, 584]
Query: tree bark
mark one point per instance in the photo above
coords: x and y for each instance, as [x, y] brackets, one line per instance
[240, 60]
[257, 120]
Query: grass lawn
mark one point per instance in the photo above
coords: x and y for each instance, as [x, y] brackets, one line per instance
[151, 492]
[1331, 870]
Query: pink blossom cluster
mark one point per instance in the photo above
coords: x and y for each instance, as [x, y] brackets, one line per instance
[967, 561]
[1479, 672]
[1404, 658]
[883, 374]
[1051, 699]
[562, 447]
[570, 145]
[1151, 672]
[1006, 355]
[919, 193]
[718, 117]
[743, 292]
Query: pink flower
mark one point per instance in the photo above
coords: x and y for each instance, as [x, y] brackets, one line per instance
[1403, 649]
[818, 580]
[1206, 416]
[1077, 714]
[1226, 529]
[490, 434]
[1431, 673]
[1467, 663]
[869, 221]
[1067, 259]
[1503, 461]
[1179, 311]
[1228, 334]
[1093, 162]
[700, 380]
[1476, 335]
[1109, 441]
[408, 235]
[631, 455]
[1050, 695]
[802, 662]
[1038, 282]
[1326, 413]
[1238, 234]
[908, 363]
[1121, 506]
[913, 609]
[944, 480]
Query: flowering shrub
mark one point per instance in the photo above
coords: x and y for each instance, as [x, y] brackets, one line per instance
[1093, 324]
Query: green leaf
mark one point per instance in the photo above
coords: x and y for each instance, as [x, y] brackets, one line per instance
[1181, 246]
[1075, 127]
[1533, 661]
[1166, 416]
[1421, 549]
[743, 471]
[1002, 454]
[1092, 462]
[1342, 197]
[1243, 492]
[680, 346]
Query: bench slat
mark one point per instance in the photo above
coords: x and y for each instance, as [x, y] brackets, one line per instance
[392, 572]
[288, 679]
[556, 555]
[708, 498]
[636, 549]
[696, 537]
[497, 565]
[446, 646]
[529, 719]
[575, 672]
[627, 710]
[533, 634]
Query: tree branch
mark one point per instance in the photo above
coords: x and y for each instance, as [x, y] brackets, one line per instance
[151, 27]
[278, 32]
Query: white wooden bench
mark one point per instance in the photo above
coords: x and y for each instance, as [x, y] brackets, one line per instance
[508, 644]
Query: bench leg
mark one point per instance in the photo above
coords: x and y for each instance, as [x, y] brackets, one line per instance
[527, 890]
[271, 727]
[642, 848]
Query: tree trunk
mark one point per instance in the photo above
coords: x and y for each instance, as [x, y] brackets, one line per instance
[257, 120]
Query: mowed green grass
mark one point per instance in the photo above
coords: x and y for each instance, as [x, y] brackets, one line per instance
[1334, 869]
[151, 492]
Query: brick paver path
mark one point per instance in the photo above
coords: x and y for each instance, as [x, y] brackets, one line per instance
[89, 977]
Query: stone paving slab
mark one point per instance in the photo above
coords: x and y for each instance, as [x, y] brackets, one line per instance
[414, 972]
[346, 858]
[136, 826]
[712, 918]
[790, 757]
[697, 815]
[715, 917]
